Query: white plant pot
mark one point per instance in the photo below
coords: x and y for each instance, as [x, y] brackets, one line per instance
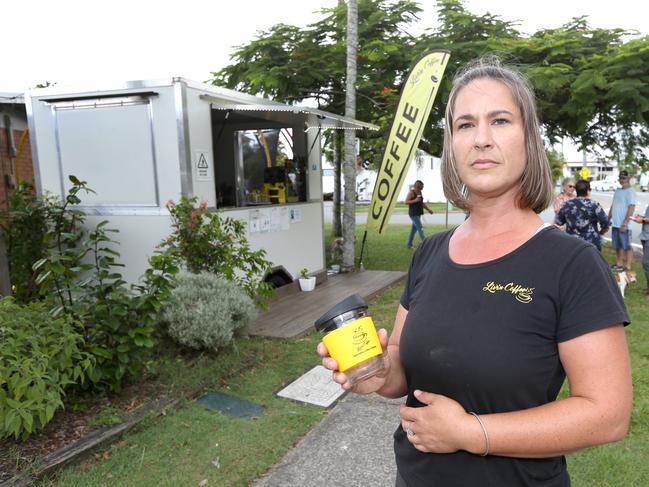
[307, 284]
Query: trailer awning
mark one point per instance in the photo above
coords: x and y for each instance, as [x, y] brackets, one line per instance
[286, 114]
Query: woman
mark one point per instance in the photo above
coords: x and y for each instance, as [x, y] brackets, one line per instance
[584, 217]
[486, 331]
[567, 193]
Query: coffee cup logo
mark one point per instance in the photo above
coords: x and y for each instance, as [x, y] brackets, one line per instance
[359, 338]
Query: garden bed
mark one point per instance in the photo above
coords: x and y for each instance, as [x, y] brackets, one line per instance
[74, 423]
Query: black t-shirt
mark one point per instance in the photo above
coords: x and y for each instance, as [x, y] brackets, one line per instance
[416, 208]
[487, 336]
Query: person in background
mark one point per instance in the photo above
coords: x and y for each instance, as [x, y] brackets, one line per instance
[644, 238]
[567, 193]
[619, 214]
[498, 311]
[416, 206]
[644, 181]
[584, 217]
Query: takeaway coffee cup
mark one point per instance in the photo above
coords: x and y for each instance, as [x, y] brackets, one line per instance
[351, 338]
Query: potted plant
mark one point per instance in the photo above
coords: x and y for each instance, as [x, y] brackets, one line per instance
[307, 283]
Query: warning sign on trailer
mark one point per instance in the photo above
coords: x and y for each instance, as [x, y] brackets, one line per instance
[202, 166]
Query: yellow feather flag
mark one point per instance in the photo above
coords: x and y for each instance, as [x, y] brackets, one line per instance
[414, 107]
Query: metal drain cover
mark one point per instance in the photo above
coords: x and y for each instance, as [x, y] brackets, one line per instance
[230, 405]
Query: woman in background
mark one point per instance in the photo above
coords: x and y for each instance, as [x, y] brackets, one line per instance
[567, 193]
[583, 216]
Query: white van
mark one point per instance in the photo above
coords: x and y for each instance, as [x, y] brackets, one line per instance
[609, 183]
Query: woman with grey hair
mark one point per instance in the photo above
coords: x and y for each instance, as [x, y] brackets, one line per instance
[567, 193]
[497, 312]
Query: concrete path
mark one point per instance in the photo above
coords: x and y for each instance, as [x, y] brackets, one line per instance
[351, 447]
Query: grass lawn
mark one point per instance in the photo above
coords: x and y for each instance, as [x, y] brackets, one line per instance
[189, 444]
[403, 208]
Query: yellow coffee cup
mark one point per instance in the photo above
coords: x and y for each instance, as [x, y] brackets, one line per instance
[351, 339]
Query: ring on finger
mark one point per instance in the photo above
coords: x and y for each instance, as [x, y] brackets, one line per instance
[409, 432]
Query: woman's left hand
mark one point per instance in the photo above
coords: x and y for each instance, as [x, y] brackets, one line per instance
[440, 426]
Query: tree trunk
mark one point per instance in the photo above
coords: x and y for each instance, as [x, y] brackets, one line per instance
[349, 164]
[5, 281]
[337, 227]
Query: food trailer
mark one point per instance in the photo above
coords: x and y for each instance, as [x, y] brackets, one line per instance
[143, 143]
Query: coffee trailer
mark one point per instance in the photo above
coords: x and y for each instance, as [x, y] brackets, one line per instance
[143, 143]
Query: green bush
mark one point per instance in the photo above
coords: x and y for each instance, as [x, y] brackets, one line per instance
[207, 310]
[78, 278]
[25, 225]
[207, 241]
[39, 356]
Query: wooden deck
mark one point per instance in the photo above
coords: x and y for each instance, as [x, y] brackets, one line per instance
[293, 313]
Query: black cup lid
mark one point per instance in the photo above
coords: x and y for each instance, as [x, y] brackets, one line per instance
[351, 303]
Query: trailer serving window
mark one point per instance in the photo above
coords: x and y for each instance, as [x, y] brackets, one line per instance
[257, 162]
[260, 151]
[270, 172]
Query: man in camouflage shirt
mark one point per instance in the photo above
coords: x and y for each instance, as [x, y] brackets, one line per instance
[584, 217]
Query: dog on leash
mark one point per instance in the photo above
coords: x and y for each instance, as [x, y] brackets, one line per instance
[623, 278]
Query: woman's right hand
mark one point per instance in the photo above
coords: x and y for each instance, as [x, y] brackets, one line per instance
[366, 386]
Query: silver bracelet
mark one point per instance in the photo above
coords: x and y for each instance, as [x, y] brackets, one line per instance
[486, 435]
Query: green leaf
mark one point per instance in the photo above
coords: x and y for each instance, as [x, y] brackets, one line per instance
[28, 420]
[49, 413]
[38, 264]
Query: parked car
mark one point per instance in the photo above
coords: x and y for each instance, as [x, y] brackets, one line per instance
[609, 183]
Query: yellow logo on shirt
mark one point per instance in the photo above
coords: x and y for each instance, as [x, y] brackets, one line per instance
[523, 294]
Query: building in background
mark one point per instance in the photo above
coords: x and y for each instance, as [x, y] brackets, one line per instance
[15, 149]
[15, 163]
[597, 168]
[425, 168]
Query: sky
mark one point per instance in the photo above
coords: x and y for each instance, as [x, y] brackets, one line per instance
[90, 43]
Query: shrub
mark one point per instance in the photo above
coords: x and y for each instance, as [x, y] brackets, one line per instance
[207, 311]
[206, 241]
[25, 225]
[78, 278]
[39, 356]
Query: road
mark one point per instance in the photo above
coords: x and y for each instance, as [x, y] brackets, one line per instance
[642, 199]
[604, 199]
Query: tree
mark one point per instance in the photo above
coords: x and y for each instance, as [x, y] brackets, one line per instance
[468, 37]
[336, 226]
[592, 87]
[555, 159]
[336, 222]
[290, 65]
[592, 84]
[349, 164]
